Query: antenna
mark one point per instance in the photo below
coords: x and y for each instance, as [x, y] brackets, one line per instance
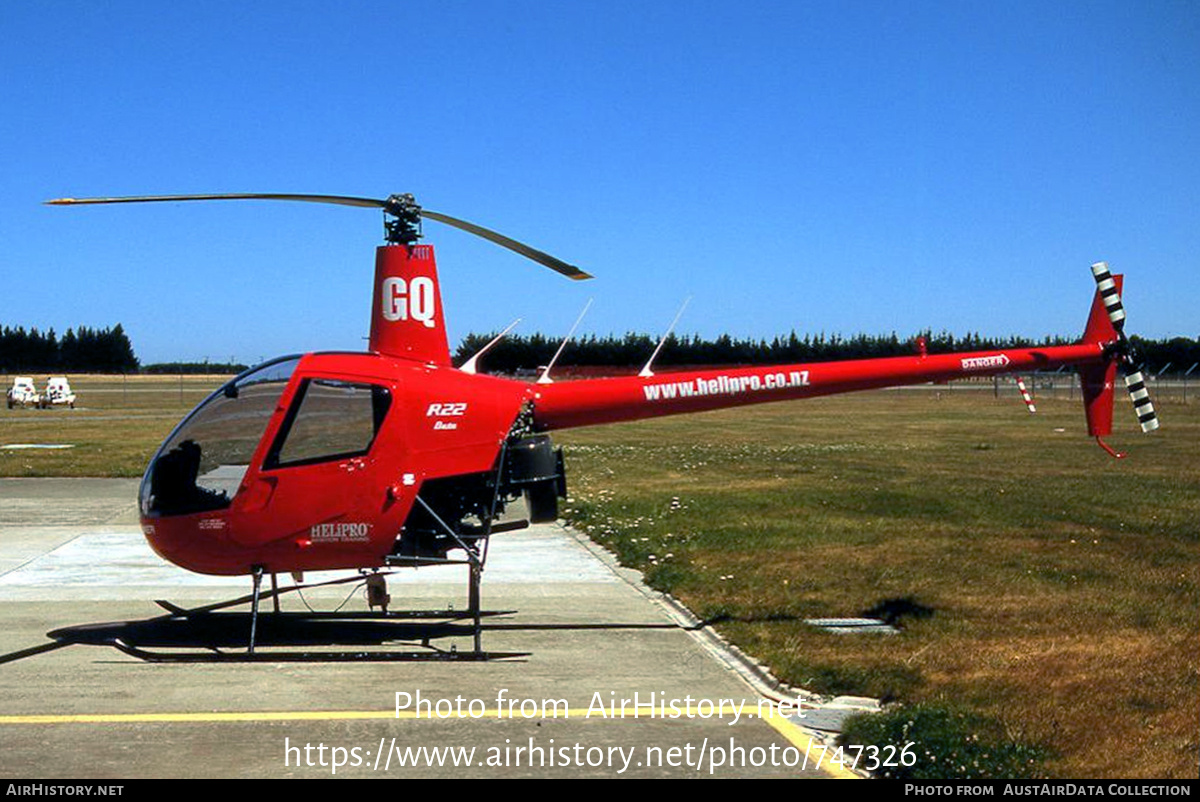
[646, 372]
[470, 365]
[545, 377]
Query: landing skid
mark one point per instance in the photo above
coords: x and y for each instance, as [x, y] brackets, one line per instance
[207, 635]
[289, 637]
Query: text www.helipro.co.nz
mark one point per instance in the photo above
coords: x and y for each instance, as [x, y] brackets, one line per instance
[726, 385]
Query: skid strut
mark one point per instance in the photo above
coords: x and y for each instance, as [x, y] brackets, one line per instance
[258, 573]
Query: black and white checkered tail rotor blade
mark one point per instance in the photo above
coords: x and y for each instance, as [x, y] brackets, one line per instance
[1135, 381]
[1110, 295]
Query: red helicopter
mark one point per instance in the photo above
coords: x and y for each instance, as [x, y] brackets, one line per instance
[395, 457]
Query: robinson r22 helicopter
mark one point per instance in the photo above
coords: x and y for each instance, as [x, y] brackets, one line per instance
[394, 457]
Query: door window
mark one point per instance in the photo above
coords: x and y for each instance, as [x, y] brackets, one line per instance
[329, 420]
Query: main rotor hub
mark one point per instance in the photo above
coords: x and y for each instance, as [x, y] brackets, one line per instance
[402, 221]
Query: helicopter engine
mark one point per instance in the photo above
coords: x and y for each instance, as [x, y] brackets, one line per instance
[459, 509]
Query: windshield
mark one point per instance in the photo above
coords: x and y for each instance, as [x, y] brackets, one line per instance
[202, 463]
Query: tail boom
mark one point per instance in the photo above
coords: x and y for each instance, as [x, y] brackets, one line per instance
[595, 401]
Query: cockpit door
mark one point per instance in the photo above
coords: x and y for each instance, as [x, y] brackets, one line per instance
[319, 482]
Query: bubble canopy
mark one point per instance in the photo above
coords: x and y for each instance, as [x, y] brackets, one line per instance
[202, 462]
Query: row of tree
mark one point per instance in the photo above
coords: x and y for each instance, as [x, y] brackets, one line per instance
[195, 368]
[527, 352]
[81, 350]
[87, 350]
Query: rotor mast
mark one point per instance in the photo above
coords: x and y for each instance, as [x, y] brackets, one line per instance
[402, 220]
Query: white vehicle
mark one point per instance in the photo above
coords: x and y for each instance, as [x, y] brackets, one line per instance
[58, 391]
[23, 393]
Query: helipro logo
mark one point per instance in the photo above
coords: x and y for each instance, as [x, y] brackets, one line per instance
[340, 533]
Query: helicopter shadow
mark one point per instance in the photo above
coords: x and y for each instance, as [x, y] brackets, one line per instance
[307, 637]
[284, 637]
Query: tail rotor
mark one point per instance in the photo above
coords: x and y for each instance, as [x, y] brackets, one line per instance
[1109, 289]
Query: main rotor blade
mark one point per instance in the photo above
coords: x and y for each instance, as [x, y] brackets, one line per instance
[570, 271]
[341, 200]
[389, 205]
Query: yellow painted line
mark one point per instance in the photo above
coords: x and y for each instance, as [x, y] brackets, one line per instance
[313, 715]
[784, 726]
[804, 741]
[140, 718]
[644, 712]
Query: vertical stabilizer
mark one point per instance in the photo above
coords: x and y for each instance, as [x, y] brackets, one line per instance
[1097, 380]
[1099, 325]
[406, 311]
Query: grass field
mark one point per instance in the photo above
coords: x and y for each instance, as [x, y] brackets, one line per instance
[1048, 587]
[1040, 584]
[118, 423]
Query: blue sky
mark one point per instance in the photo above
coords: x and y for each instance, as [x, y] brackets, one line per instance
[836, 167]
